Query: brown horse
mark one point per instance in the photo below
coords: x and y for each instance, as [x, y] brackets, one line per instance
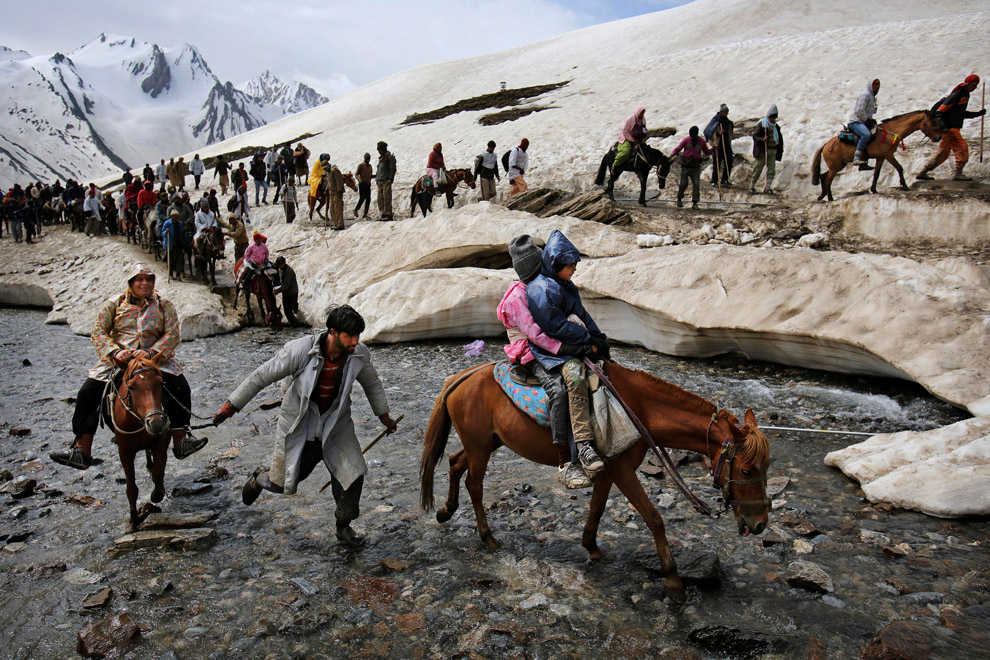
[890, 133]
[322, 199]
[139, 422]
[485, 418]
[425, 199]
[208, 247]
[257, 283]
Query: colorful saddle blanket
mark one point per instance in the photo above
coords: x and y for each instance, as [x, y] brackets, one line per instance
[531, 400]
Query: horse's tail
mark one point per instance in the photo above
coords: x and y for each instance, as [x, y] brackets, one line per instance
[600, 179]
[434, 444]
[816, 165]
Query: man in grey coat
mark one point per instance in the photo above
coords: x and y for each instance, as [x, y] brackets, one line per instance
[315, 417]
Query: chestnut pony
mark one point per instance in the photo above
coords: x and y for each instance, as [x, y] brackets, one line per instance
[484, 418]
[139, 422]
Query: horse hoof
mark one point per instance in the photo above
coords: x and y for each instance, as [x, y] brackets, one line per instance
[443, 515]
[157, 495]
[492, 543]
[674, 589]
[133, 527]
[596, 554]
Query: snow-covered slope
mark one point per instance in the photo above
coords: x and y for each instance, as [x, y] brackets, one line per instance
[810, 58]
[114, 103]
[291, 97]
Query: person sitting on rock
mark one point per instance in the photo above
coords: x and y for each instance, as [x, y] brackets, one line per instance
[139, 323]
[315, 422]
[513, 312]
[552, 300]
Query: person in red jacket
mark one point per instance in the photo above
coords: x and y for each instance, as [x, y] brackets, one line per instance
[950, 115]
[435, 167]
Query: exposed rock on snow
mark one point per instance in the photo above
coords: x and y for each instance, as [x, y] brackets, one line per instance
[943, 472]
[591, 205]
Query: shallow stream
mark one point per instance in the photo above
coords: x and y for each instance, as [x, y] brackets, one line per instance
[276, 585]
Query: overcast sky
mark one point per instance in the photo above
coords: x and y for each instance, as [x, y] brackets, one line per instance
[331, 45]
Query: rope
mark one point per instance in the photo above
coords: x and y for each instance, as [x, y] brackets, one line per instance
[788, 428]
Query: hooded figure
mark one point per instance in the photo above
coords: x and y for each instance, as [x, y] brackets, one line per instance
[861, 121]
[633, 131]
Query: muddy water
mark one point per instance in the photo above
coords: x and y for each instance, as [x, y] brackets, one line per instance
[420, 589]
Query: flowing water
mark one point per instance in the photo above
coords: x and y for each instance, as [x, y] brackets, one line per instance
[276, 585]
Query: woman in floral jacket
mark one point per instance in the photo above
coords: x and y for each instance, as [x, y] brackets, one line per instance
[139, 323]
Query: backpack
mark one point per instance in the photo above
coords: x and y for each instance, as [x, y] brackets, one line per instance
[505, 160]
[232, 203]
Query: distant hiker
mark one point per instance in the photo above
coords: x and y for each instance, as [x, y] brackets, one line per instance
[384, 176]
[719, 133]
[861, 122]
[435, 169]
[286, 153]
[269, 159]
[239, 177]
[204, 219]
[214, 203]
[260, 175]
[315, 421]
[221, 169]
[197, 168]
[138, 324]
[237, 232]
[172, 242]
[633, 132]
[518, 164]
[692, 151]
[364, 173]
[170, 171]
[92, 208]
[181, 171]
[161, 175]
[316, 176]
[277, 176]
[487, 171]
[147, 173]
[300, 159]
[241, 208]
[289, 288]
[289, 203]
[950, 114]
[336, 181]
[768, 148]
[127, 177]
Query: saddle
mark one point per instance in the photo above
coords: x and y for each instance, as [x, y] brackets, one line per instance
[847, 136]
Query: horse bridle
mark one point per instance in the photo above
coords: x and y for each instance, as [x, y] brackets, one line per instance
[127, 404]
[726, 455]
[640, 156]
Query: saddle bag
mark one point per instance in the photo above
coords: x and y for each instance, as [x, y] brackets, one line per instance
[613, 430]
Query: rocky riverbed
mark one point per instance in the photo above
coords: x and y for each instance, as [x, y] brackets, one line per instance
[833, 577]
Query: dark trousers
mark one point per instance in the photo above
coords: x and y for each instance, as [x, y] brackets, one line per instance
[723, 164]
[364, 197]
[559, 410]
[694, 175]
[290, 305]
[348, 500]
[176, 397]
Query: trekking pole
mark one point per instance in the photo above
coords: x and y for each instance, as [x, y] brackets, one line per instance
[370, 445]
[983, 106]
[718, 175]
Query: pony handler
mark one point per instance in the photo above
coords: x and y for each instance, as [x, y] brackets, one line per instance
[315, 421]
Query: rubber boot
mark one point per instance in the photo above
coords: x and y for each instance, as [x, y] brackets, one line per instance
[924, 174]
[959, 176]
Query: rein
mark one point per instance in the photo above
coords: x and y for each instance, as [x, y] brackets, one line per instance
[661, 452]
[114, 394]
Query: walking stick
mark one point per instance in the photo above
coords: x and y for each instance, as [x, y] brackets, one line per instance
[168, 257]
[983, 106]
[365, 450]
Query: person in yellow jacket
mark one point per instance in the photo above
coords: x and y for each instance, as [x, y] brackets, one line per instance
[319, 168]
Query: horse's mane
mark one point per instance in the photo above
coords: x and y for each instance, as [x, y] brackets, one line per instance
[901, 116]
[140, 363]
[755, 447]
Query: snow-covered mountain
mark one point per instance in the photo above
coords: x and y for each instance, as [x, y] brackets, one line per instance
[114, 103]
[811, 58]
[291, 97]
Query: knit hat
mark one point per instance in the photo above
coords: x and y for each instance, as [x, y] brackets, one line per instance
[723, 108]
[972, 79]
[259, 236]
[772, 112]
[527, 259]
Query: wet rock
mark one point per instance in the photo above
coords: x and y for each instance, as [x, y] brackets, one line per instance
[172, 539]
[533, 602]
[699, 567]
[26, 362]
[81, 576]
[772, 538]
[31, 466]
[305, 585]
[262, 628]
[83, 500]
[189, 491]
[803, 547]
[6, 475]
[873, 538]
[899, 550]
[806, 529]
[808, 575]
[736, 642]
[169, 655]
[925, 597]
[20, 430]
[97, 600]
[900, 640]
[812, 240]
[177, 520]
[776, 485]
[789, 234]
[21, 488]
[16, 537]
[11, 548]
[101, 639]
[193, 632]
[392, 564]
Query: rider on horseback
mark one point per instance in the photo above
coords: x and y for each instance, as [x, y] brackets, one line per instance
[513, 312]
[255, 257]
[861, 122]
[139, 323]
[553, 299]
[632, 133]
[436, 174]
[316, 176]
